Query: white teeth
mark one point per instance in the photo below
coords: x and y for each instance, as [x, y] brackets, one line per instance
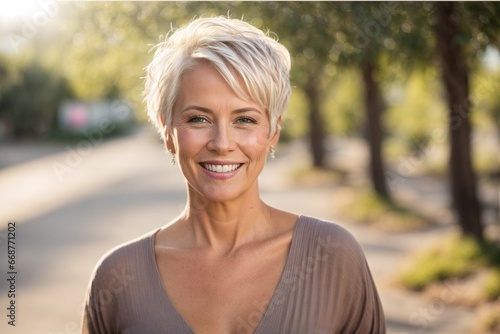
[220, 168]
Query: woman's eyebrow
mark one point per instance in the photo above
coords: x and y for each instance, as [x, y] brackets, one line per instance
[195, 107]
[208, 110]
[246, 109]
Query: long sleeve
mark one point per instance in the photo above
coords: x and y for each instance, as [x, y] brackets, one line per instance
[126, 295]
[367, 315]
[99, 308]
[327, 287]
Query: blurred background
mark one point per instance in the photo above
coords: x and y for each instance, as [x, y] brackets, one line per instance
[393, 131]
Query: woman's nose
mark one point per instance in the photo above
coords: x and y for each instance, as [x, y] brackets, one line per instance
[222, 140]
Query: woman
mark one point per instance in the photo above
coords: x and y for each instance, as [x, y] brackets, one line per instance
[216, 90]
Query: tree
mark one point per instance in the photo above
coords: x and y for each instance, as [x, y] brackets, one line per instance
[455, 34]
[455, 76]
[307, 31]
[104, 47]
[363, 39]
[373, 108]
[30, 98]
[459, 33]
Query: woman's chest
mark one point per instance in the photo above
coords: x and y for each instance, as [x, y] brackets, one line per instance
[222, 295]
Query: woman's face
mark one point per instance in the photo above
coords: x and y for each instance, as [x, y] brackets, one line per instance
[220, 140]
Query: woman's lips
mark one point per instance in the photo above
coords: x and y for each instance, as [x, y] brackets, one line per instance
[220, 168]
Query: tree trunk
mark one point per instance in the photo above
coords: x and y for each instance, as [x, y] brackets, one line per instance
[374, 129]
[316, 130]
[455, 75]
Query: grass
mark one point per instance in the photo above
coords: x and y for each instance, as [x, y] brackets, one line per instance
[489, 321]
[461, 258]
[307, 176]
[491, 288]
[369, 208]
[360, 206]
[455, 257]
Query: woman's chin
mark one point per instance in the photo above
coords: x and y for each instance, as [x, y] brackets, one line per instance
[211, 193]
[222, 197]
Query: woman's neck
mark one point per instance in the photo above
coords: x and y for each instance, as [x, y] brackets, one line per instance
[226, 226]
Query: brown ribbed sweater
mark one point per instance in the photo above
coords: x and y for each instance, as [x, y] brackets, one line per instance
[325, 287]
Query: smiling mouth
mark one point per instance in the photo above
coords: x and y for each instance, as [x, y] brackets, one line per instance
[221, 168]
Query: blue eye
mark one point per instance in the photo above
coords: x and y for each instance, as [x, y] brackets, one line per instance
[246, 120]
[197, 119]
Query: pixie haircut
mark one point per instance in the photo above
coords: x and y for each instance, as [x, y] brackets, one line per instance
[254, 65]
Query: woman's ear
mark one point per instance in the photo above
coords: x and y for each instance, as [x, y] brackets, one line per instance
[169, 143]
[167, 138]
[276, 136]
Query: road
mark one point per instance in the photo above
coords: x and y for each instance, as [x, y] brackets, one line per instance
[76, 203]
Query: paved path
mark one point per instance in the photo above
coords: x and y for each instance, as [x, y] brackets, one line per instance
[126, 187]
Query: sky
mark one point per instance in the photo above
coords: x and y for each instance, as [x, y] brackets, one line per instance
[14, 10]
[30, 16]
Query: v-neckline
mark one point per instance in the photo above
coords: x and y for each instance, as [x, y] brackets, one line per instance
[272, 301]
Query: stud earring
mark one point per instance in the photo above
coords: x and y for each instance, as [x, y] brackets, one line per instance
[172, 158]
[272, 153]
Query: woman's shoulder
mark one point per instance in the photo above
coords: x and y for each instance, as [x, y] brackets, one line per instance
[314, 227]
[127, 256]
[326, 236]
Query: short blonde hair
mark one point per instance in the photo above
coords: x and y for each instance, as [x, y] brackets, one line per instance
[236, 49]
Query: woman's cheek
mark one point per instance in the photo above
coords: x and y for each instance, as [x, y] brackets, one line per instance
[255, 148]
[258, 136]
[192, 137]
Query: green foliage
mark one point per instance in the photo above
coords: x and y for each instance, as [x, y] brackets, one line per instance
[485, 162]
[416, 114]
[394, 35]
[294, 120]
[370, 208]
[307, 30]
[480, 24]
[343, 105]
[416, 110]
[101, 48]
[306, 176]
[29, 98]
[492, 285]
[106, 48]
[59, 135]
[455, 257]
[485, 85]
